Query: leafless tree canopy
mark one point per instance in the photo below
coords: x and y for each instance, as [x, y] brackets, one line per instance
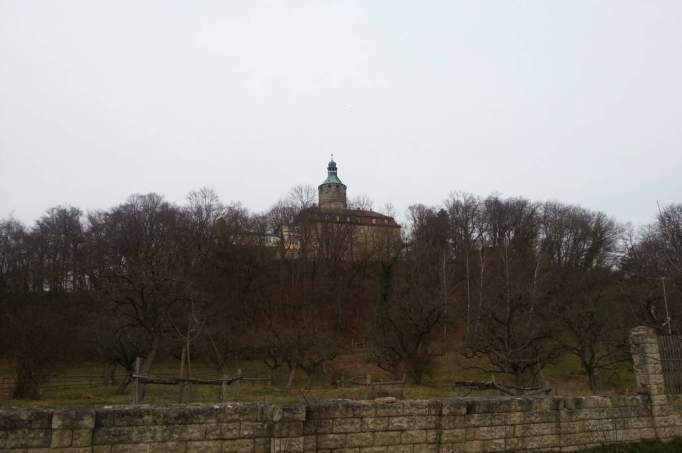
[514, 283]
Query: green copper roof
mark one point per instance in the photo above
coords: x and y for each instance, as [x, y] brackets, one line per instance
[332, 177]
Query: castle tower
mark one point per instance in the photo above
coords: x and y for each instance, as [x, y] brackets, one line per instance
[332, 192]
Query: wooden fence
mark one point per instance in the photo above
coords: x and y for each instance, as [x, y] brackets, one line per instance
[371, 385]
[670, 349]
[185, 384]
[54, 382]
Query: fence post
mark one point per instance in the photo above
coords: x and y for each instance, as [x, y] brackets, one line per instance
[238, 384]
[646, 359]
[402, 386]
[370, 386]
[136, 386]
[223, 386]
[182, 384]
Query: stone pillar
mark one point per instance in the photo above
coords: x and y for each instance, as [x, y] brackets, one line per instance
[647, 361]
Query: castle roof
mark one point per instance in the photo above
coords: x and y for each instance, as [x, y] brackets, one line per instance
[349, 216]
[332, 176]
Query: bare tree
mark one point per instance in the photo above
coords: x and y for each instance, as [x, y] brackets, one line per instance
[362, 202]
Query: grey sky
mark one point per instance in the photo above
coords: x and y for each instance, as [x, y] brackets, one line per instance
[578, 101]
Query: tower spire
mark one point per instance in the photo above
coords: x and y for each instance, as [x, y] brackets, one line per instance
[332, 192]
[331, 168]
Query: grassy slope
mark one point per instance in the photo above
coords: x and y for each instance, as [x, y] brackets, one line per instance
[564, 377]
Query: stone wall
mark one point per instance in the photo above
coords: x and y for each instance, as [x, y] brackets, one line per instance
[457, 425]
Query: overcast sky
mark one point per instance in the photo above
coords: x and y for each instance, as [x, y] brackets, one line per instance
[576, 101]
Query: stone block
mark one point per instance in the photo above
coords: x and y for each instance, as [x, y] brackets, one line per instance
[309, 443]
[205, 446]
[538, 429]
[425, 422]
[386, 438]
[453, 435]
[375, 423]
[222, 431]
[289, 412]
[81, 438]
[493, 432]
[542, 442]
[202, 413]
[389, 409]
[381, 450]
[413, 436]
[399, 423]
[318, 426]
[454, 407]
[359, 440]
[28, 438]
[104, 449]
[254, 429]
[291, 444]
[598, 425]
[127, 435]
[452, 421]
[62, 450]
[73, 419]
[61, 438]
[287, 429]
[141, 416]
[425, 448]
[186, 432]
[261, 445]
[238, 446]
[13, 419]
[168, 447]
[348, 425]
[361, 409]
[331, 441]
[129, 448]
[416, 408]
[236, 412]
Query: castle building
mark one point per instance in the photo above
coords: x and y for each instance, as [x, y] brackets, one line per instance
[333, 230]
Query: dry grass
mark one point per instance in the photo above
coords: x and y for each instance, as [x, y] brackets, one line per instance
[565, 378]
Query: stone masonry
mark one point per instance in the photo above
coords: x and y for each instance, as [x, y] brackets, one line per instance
[466, 425]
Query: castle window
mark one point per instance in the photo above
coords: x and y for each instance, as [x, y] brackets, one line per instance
[374, 221]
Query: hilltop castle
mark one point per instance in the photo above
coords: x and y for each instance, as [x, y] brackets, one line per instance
[332, 230]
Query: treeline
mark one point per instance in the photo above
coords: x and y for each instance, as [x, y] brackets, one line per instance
[514, 283]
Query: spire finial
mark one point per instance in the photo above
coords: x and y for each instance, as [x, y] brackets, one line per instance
[331, 168]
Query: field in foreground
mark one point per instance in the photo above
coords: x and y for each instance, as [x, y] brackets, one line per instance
[84, 384]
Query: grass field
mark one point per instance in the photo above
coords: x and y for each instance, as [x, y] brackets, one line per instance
[83, 385]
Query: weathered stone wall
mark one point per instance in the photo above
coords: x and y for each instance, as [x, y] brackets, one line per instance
[457, 425]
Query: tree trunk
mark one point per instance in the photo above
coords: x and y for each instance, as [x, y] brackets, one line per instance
[28, 381]
[292, 375]
[148, 362]
[591, 377]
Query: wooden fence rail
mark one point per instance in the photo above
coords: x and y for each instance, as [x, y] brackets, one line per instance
[366, 381]
[140, 379]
